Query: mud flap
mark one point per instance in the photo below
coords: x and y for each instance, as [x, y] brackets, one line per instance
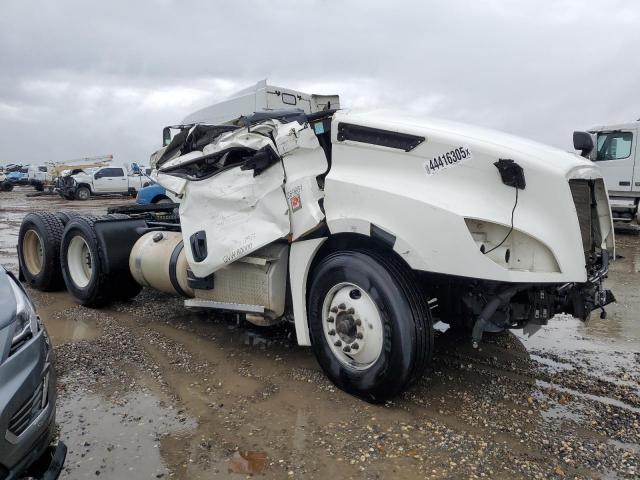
[237, 213]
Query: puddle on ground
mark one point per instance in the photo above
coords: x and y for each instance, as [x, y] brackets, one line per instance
[552, 365]
[560, 412]
[248, 463]
[120, 437]
[63, 330]
[596, 398]
[57, 313]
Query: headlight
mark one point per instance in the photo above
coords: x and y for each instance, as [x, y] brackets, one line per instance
[26, 318]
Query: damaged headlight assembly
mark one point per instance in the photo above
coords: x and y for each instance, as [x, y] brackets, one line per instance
[511, 249]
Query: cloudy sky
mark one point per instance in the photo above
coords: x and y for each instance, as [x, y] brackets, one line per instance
[81, 78]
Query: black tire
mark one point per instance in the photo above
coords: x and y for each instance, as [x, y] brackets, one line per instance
[7, 186]
[407, 326]
[82, 193]
[39, 187]
[65, 215]
[100, 287]
[45, 274]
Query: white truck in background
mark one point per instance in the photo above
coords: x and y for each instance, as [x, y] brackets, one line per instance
[614, 148]
[106, 180]
[40, 176]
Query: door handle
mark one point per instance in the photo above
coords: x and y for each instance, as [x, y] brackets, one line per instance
[199, 245]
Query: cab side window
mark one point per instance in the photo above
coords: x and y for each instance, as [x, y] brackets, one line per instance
[112, 172]
[614, 145]
[109, 172]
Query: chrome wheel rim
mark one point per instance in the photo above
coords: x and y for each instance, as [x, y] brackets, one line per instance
[32, 252]
[79, 261]
[352, 326]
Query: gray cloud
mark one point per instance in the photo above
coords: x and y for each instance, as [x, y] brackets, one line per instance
[82, 78]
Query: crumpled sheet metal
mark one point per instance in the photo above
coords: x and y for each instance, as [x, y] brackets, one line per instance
[239, 213]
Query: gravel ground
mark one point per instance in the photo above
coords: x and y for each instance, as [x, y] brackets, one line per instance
[149, 390]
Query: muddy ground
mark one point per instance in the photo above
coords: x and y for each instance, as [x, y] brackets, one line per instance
[150, 390]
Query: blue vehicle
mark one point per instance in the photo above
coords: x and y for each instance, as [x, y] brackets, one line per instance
[18, 177]
[153, 193]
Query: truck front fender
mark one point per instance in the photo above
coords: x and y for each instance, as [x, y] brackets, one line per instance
[300, 259]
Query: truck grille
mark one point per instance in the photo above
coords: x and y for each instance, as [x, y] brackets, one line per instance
[29, 410]
[584, 200]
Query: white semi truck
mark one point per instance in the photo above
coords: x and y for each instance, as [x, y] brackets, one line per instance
[359, 228]
[614, 148]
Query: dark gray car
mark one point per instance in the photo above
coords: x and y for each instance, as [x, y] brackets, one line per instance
[27, 389]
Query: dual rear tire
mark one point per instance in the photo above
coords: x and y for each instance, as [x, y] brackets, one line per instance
[85, 268]
[64, 249]
[39, 251]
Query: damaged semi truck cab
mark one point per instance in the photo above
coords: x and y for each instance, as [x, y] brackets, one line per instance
[361, 228]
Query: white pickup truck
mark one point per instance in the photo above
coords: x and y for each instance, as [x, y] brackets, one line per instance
[107, 180]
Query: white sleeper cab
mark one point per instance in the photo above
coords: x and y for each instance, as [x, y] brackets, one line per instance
[360, 228]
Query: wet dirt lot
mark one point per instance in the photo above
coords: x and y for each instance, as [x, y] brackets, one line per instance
[150, 390]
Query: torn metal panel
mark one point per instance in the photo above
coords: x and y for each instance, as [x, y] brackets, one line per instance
[304, 160]
[235, 198]
[173, 184]
[238, 212]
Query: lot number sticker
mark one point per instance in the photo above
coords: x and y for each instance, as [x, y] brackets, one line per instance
[447, 160]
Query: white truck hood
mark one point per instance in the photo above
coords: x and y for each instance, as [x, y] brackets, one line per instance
[543, 156]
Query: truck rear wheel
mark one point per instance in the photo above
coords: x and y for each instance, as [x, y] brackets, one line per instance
[370, 326]
[83, 193]
[39, 249]
[6, 186]
[85, 270]
[65, 215]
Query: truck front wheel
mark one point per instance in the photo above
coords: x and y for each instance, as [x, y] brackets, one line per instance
[83, 193]
[370, 325]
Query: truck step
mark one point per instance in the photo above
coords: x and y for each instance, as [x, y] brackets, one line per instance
[236, 307]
